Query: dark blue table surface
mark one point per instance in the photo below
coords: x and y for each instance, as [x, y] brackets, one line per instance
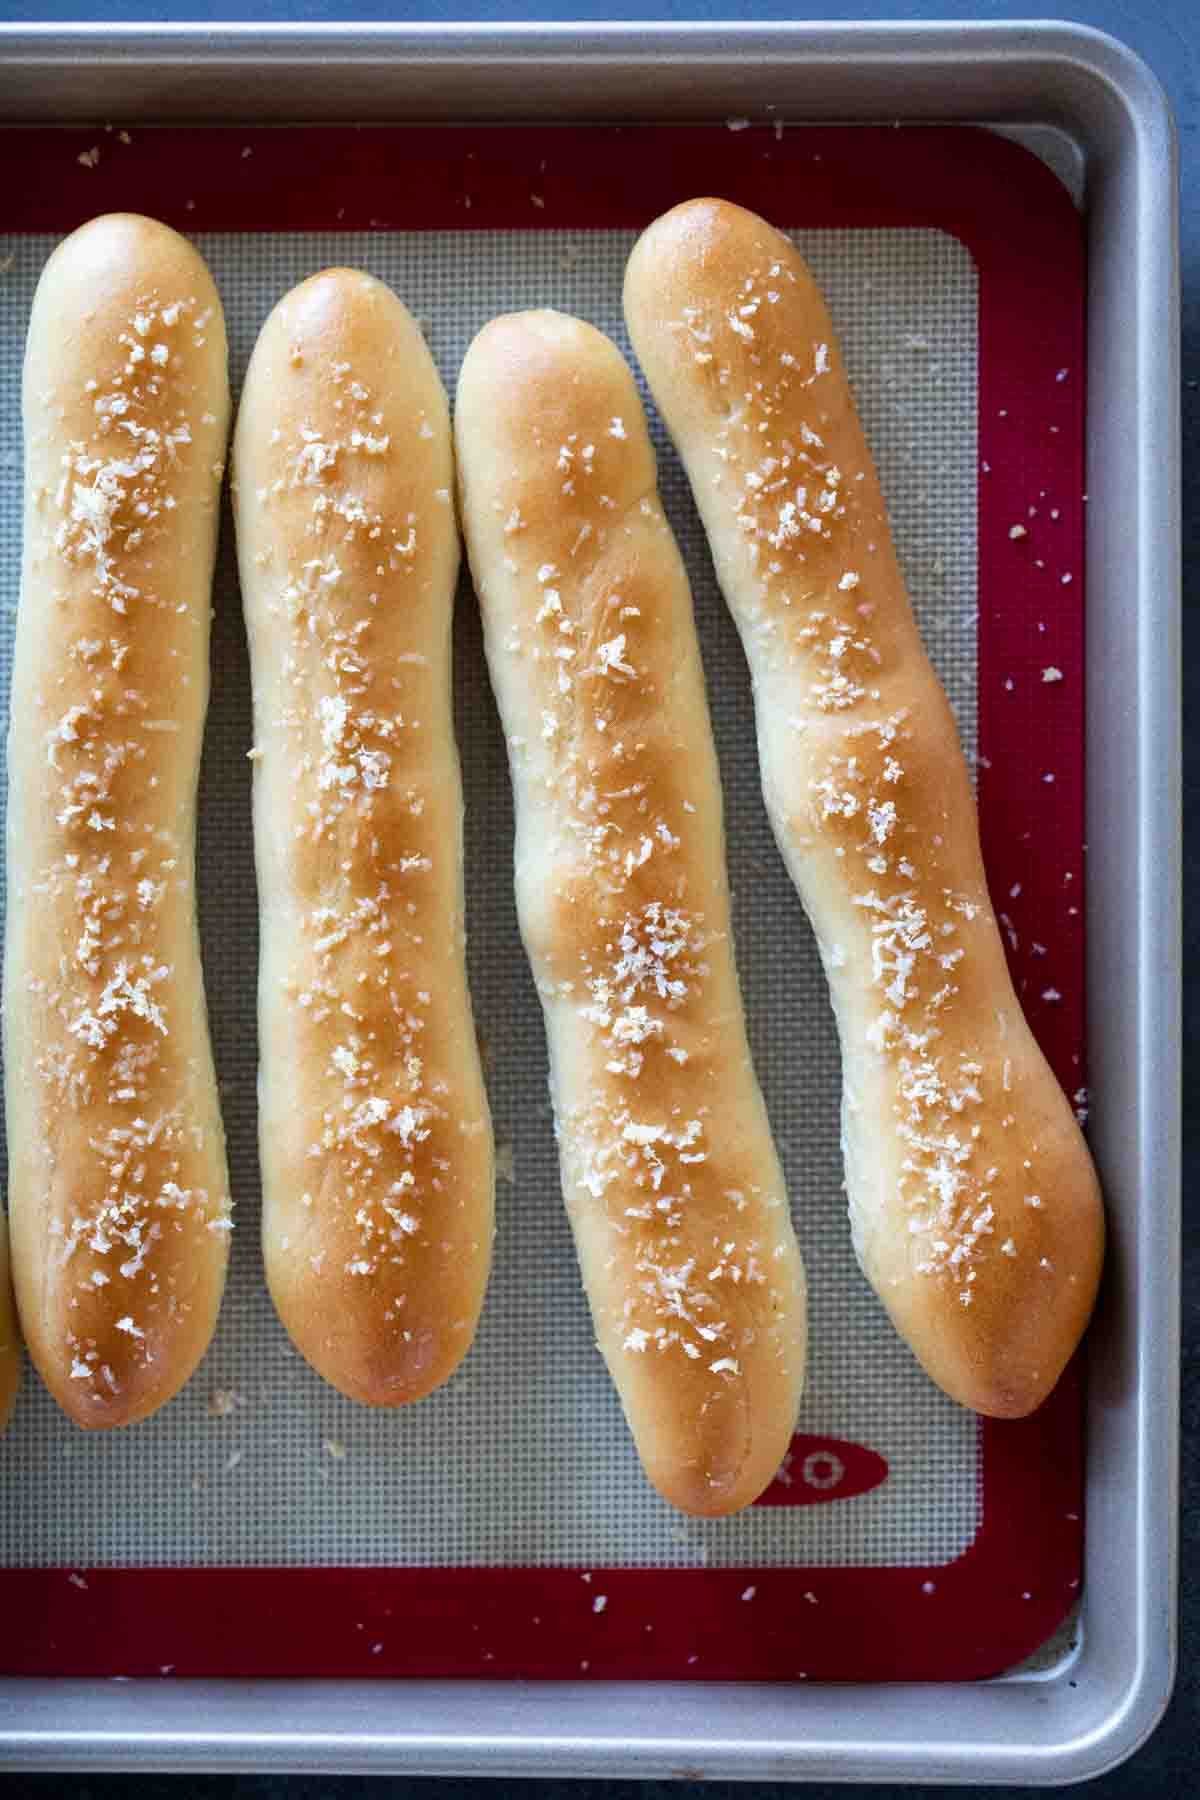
[1167, 34]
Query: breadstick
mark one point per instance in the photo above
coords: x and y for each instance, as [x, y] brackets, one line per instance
[10, 1343]
[375, 1135]
[671, 1180]
[119, 1201]
[974, 1208]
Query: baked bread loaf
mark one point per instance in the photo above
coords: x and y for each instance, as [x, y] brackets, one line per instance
[671, 1180]
[118, 1200]
[10, 1343]
[974, 1207]
[375, 1137]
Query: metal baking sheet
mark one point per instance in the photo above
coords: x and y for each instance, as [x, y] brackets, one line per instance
[1088, 1716]
[903, 1540]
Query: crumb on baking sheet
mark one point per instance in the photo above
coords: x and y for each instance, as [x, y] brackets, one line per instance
[334, 1448]
[223, 1402]
[88, 159]
[505, 1170]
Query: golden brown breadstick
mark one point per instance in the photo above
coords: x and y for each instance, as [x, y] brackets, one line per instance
[118, 1197]
[671, 1180]
[974, 1207]
[375, 1136]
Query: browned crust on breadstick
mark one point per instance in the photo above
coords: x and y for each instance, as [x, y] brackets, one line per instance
[119, 1202]
[375, 1136]
[10, 1342]
[670, 1176]
[974, 1205]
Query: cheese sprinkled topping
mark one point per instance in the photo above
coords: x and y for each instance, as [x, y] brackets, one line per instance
[683, 1217]
[804, 540]
[111, 1049]
[350, 731]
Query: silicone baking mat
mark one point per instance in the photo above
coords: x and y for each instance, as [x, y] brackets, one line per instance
[503, 1526]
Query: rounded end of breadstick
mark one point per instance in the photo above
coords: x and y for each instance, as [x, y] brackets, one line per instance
[110, 1367]
[693, 226]
[698, 231]
[552, 362]
[713, 1452]
[333, 319]
[331, 329]
[555, 364]
[109, 263]
[1000, 1342]
[130, 1373]
[704, 240]
[419, 1351]
[117, 243]
[512, 339]
[712, 1430]
[553, 370]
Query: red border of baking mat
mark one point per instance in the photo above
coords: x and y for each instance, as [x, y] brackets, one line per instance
[1013, 1586]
